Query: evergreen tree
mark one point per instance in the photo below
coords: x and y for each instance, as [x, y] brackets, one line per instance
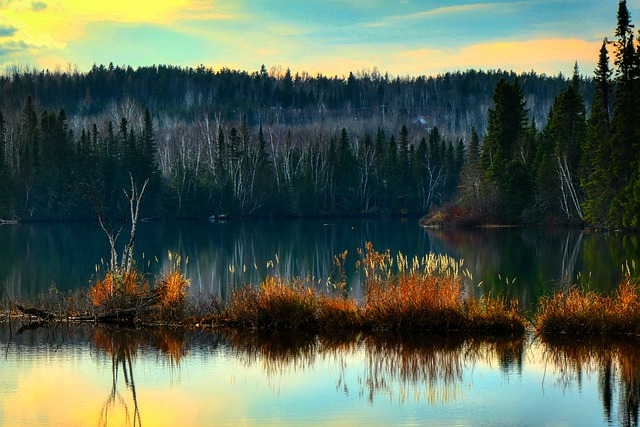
[625, 122]
[564, 135]
[391, 180]
[5, 176]
[287, 91]
[501, 155]
[473, 195]
[596, 177]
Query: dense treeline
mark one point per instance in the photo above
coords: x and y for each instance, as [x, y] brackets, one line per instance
[455, 102]
[228, 142]
[269, 143]
[576, 169]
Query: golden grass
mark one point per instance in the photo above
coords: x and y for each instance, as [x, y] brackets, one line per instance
[165, 300]
[577, 311]
[401, 295]
[115, 290]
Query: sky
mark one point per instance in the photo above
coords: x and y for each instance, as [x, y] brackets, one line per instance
[331, 37]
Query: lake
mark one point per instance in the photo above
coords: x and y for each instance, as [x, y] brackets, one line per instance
[85, 375]
[79, 375]
[526, 263]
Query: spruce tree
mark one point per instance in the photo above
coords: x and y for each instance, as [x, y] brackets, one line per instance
[500, 157]
[625, 124]
[595, 175]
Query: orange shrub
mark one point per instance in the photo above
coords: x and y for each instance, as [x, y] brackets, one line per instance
[171, 293]
[578, 311]
[116, 290]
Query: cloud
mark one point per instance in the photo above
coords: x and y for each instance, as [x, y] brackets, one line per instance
[447, 11]
[544, 55]
[7, 31]
[548, 55]
[11, 47]
[37, 6]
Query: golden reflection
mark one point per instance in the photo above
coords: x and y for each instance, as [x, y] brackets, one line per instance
[123, 345]
[616, 361]
[428, 367]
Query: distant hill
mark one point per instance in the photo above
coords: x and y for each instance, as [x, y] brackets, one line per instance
[454, 102]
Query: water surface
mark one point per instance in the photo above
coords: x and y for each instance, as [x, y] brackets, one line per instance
[84, 376]
[223, 256]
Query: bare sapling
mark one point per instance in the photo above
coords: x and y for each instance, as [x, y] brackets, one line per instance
[134, 197]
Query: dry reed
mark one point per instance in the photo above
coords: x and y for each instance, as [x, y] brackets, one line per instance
[401, 294]
[576, 311]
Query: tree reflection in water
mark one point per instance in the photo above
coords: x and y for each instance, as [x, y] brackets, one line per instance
[430, 367]
[616, 362]
[122, 346]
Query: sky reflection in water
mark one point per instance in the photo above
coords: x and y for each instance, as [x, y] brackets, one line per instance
[99, 376]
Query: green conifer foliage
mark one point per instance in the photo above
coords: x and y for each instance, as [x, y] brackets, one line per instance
[596, 177]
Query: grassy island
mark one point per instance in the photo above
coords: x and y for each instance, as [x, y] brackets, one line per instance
[401, 296]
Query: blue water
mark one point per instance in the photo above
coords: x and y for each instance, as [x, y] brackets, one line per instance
[86, 376]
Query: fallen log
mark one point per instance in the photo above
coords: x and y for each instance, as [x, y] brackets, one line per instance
[127, 315]
[44, 315]
[124, 316]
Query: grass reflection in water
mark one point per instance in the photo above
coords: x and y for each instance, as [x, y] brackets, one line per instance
[435, 372]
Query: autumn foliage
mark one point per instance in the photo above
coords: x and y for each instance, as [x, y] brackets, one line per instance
[401, 295]
[576, 311]
[164, 300]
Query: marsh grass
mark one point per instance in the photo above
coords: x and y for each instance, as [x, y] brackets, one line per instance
[577, 311]
[401, 295]
[427, 294]
[165, 300]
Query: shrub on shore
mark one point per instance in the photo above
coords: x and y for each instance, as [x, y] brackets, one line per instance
[576, 311]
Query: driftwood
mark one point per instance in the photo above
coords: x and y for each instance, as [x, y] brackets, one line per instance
[44, 315]
[124, 316]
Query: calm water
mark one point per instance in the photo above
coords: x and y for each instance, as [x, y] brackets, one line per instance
[84, 376]
[221, 256]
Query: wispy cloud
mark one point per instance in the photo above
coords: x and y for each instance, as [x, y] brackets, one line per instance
[448, 11]
[11, 47]
[7, 31]
[542, 55]
[37, 6]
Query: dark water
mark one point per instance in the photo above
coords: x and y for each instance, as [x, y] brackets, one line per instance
[221, 256]
[86, 376]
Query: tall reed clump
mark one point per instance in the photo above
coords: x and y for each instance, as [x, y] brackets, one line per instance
[401, 295]
[170, 292]
[118, 291]
[276, 305]
[428, 295]
[294, 304]
[130, 292]
[576, 311]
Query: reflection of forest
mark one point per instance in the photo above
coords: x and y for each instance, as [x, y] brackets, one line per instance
[528, 263]
[434, 369]
[617, 364]
[223, 256]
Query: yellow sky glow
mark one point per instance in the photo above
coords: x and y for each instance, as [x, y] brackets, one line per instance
[540, 55]
[55, 33]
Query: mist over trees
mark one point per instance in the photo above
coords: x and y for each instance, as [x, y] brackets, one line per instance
[470, 146]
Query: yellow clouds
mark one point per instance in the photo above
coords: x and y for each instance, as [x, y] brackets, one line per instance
[66, 20]
[46, 28]
[549, 56]
[542, 55]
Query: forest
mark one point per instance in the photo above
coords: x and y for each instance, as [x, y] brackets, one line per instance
[466, 147]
